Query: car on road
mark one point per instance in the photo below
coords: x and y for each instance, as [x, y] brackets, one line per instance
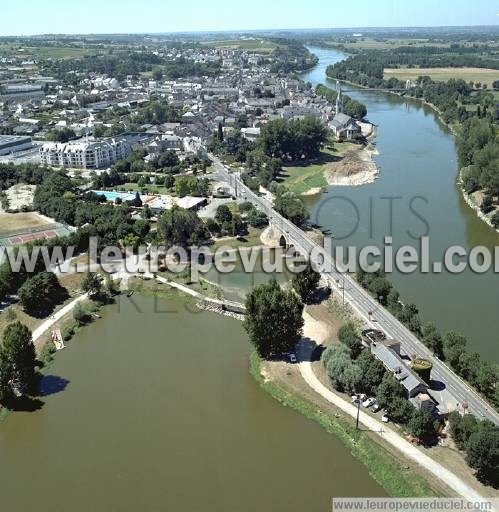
[368, 402]
[292, 358]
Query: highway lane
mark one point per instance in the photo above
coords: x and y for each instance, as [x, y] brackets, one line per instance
[363, 303]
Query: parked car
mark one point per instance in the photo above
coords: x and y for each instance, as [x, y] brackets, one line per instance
[374, 408]
[368, 402]
[292, 358]
[385, 418]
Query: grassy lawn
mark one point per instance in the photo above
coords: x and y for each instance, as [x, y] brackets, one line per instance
[302, 177]
[252, 239]
[482, 75]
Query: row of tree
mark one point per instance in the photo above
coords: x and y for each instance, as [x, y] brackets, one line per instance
[478, 155]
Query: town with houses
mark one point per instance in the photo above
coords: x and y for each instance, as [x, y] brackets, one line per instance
[148, 140]
[33, 106]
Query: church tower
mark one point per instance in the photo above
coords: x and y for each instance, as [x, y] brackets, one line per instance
[339, 99]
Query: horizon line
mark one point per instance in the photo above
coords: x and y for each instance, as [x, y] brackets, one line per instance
[250, 30]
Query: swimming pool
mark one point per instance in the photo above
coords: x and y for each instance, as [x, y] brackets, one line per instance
[111, 196]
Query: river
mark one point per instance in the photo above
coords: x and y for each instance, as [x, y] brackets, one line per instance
[153, 408]
[417, 161]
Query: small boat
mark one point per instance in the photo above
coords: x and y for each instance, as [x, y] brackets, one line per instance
[130, 293]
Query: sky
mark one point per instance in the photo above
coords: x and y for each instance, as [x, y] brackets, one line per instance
[27, 17]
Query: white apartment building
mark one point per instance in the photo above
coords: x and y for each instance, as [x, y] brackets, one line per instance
[84, 155]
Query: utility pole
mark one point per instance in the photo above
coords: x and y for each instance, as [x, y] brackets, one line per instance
[358, 413]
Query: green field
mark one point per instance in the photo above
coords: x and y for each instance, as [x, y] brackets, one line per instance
[369, 43]
[482, 75]
[151, 189]
[252, 45]
[381, 43]
[44, 52]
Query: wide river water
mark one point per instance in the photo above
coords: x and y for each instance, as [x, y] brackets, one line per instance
[417, 161]
[159, 412]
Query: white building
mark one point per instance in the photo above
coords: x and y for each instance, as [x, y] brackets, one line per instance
[84, 155]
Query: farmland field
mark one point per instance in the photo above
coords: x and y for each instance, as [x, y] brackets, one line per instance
[482, 75]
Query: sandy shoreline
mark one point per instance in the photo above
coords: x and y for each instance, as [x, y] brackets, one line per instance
[356, 168]
[473, 203]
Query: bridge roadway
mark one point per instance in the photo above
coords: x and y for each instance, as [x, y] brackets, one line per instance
[460, 392]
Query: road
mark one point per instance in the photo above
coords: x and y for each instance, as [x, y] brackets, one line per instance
[363, 303]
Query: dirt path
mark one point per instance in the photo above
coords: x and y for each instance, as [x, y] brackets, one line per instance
[315, 332]
[45, 326]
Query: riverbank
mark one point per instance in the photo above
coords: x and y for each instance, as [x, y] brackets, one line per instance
[474, 201]
[340, 164]
[355, 168]
[308, 382]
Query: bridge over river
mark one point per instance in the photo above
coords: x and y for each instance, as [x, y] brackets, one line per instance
[451, 391]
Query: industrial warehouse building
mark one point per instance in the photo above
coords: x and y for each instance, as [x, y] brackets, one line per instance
[12, 143]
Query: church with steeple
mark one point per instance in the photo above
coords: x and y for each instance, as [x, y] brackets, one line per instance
[339, 98]
[344, 127]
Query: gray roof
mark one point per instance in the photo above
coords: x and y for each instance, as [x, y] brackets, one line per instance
[342, 119]
[397, 367]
